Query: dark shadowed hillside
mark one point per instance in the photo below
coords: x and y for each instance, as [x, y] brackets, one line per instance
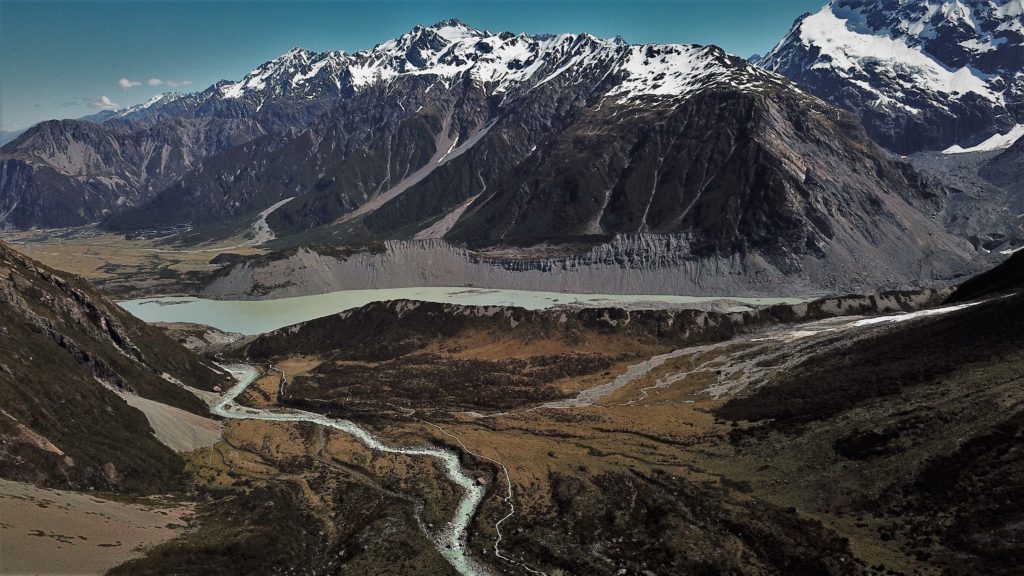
[917, 426]
[1007, 277]
[62, 345]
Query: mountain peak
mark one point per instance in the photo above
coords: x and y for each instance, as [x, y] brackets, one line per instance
[451, 23]
[153, 102]
[499, 61]
[453, 30]
[296, 53]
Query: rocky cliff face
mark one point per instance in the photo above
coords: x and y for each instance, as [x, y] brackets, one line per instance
[922, 75]
[63, 347]
[73, 172]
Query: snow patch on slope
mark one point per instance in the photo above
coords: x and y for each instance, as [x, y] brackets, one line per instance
[996, 142]
[913, 315]
[261, 231]
[848, 50]
[155, 101]
[677, 71]
[294, 68]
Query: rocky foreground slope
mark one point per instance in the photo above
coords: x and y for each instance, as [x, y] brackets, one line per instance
[64, 352]
[799, 439]
[920, 425]
[1005, 279]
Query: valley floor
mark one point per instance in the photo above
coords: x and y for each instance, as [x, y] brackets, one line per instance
[122, 267]
[882, 445]
[661, 472]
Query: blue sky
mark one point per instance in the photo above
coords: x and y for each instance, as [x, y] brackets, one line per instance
[65, 59]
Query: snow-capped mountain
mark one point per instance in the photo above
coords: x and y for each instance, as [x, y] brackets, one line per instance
[169, 134]
[142, 111]
[491, 140]
[499, 63]
[923, 74]
[294, 72]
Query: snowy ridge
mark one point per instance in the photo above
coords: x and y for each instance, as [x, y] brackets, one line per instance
[996, 142]
[282, 75]
[152, 103]
[499, 63]
[915, 63]
[889, 66]
[676, 71]
[846, 49]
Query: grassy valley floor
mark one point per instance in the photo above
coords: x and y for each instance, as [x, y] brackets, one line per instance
[669, 472]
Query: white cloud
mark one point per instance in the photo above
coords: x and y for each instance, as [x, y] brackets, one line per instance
[126, 83]
[171, 83]
[105, 103]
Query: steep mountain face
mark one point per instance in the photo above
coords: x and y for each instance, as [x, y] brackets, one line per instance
[72, 172]
[64, 351]
[733, 172]
[922, 74]
[411, 106]
[253, 176]
[63, 173]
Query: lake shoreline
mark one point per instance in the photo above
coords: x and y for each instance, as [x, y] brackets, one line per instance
[250, 317]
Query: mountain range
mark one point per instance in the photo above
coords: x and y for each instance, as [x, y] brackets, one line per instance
[508, 144]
